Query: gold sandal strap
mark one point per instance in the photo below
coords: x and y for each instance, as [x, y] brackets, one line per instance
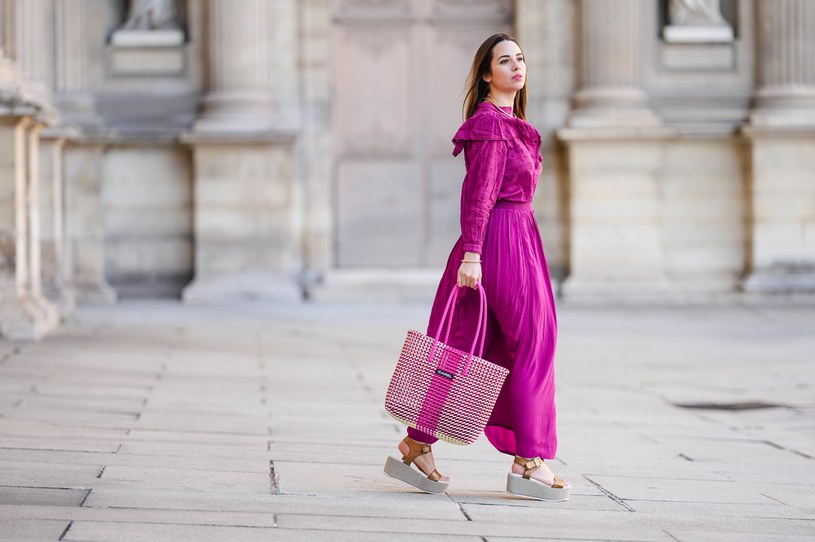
[416, 449]
[529, 465]
[559, 483]
[435, 475]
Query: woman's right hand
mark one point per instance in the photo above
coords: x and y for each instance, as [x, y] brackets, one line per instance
[469, 274]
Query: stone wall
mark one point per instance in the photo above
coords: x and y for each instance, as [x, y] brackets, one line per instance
[302, 149]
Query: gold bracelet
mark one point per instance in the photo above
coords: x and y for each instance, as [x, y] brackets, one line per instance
[471, 261]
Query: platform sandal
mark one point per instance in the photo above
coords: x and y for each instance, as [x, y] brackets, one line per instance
[430, 482]
[526, 486]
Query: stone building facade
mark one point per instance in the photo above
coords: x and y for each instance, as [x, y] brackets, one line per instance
[285, 149]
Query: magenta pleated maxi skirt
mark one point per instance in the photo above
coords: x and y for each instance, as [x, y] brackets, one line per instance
[521, 329]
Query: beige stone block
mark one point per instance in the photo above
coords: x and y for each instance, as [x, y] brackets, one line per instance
[615, 216]
[244, 222]
[445, 209]
[147, 60]
[226, 223]
[783, 247]
[704, 206]
[148, 224]
[148, 257]
[781, 242]
[617, 210]
[783, 201]
[698, 56]
[596, 249]
[149, 221]
[84, 228]
[147, 176]
[385, 124]
[379, 213]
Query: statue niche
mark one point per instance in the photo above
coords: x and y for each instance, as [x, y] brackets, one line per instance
[150, 23]
[150, 42]
[697, 21]
[152, 14]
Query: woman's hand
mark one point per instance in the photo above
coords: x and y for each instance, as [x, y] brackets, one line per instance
[469, 273]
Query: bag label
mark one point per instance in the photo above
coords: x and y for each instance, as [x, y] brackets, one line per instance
[445, 374]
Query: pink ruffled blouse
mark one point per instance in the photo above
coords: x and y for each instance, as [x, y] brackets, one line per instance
[503, 161]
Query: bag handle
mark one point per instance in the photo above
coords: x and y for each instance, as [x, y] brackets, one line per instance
[480, 330]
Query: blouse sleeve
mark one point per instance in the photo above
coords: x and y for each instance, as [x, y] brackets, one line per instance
[485, 153]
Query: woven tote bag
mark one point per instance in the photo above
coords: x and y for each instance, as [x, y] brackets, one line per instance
[443, 391]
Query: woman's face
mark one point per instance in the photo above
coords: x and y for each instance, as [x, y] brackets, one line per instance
[507, 69]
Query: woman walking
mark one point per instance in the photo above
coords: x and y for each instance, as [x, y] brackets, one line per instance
[500, 246]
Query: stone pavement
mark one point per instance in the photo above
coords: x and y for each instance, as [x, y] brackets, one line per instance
[157, 421]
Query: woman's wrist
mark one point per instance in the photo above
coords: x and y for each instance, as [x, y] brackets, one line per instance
[471, 257]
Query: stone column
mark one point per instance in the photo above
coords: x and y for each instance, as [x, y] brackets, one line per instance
[243, 147]
[85, 222]
[77, 105]
[32, 202]
[610, 95]
[82, 155]
[546, 30]
[24, 313]
[781, 130]
[35, 45]
[56, 263]
[316, 157]
[614, 143]
[24, 107]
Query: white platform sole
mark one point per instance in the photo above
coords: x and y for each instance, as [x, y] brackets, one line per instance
[518, 485]
[407, 474]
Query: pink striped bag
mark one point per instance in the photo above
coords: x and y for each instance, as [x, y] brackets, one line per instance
[443, 391]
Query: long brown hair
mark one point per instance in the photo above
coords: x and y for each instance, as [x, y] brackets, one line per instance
[477, 88]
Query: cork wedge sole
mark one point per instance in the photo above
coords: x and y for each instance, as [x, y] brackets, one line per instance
[518, 485]
[407, 474]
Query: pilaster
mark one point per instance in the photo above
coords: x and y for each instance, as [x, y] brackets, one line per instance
[56, 262]
[615, 154]
[24, 313]
[83, 170]
[246, 230]
[781, 130]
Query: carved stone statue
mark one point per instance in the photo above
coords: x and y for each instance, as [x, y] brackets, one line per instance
[695, 13]
[152, 14]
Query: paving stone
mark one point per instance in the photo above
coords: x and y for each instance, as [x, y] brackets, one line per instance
[190, 480]
[231, 440]
[91, 531]
[185, 458]
[31, 474]
[701, 536]
[769, 509]
[577, 528]
[647, 488]
[41, 496]
[28, 529]
[136, 532]
[59, 444]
